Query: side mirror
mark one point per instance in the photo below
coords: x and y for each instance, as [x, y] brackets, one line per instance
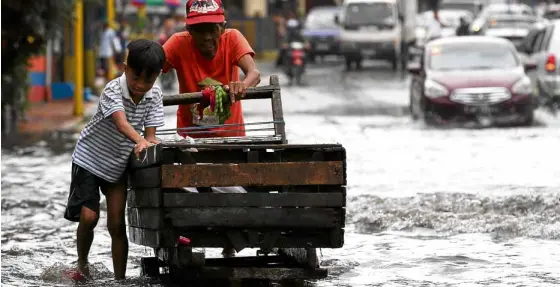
[414, 68]
[530, 66]
[336, 20]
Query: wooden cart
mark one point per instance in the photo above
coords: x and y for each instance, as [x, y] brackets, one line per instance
[295, 203]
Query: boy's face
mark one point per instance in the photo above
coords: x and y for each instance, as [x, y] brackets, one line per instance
[206, 36]
[139, 84]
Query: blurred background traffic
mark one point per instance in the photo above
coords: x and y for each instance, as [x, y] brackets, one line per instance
[55, 51]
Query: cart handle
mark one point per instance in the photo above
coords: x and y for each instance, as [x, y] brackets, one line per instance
[263, 92]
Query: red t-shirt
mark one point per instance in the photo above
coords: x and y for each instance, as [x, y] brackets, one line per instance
[183, 55]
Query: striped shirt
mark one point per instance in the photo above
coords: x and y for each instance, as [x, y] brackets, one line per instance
[101, 148]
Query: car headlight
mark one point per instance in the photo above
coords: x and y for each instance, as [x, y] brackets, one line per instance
[433, 89]
[523, 86]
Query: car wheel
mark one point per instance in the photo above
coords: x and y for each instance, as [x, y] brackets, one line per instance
[348, 63]
[312, 58]
[411, 108]
[394, 64]
[359, 64]
[529, 118]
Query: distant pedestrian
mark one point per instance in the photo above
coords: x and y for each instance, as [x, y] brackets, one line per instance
[463, 29]
[110, 46]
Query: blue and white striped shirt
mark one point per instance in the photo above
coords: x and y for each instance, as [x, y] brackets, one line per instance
[101, 148]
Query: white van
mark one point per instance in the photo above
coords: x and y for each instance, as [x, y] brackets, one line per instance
[375, 29]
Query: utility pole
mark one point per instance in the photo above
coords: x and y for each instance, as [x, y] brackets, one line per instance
[79, 58]
[111, 21]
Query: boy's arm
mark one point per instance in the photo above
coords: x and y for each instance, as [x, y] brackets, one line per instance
[112, 107]
[125, 128]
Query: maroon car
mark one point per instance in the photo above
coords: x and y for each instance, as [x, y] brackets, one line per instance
[475, 78]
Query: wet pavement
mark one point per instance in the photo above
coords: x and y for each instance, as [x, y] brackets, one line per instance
[426, 206]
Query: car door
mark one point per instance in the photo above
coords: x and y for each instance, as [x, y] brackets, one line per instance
[535, 54]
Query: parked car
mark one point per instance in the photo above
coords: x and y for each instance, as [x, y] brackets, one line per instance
[542, 46]
[513, 27]
[322, 32]
[472, 78]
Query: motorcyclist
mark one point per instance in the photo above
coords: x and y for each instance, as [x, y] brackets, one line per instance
[463, 29]
[293, 34]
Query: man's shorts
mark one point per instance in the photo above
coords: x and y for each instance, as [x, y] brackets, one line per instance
[84, 191]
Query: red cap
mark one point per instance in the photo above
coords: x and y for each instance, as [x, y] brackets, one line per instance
[205, 11]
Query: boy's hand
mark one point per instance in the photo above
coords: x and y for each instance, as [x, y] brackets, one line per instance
[236, 90]
[140, 146]
[152, 140]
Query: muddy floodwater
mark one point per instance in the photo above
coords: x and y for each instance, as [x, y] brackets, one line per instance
[426, 206]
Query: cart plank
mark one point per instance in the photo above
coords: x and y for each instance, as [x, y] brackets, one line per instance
[253, 174]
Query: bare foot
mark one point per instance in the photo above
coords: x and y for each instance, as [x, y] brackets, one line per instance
[84, 270]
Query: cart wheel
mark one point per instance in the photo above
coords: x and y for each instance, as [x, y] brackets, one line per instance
[312, 260]
[149, 267]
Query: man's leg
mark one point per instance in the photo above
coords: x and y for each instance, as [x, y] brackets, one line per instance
[88, 221]
[116, 204]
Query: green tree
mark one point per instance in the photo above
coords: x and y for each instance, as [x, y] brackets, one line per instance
[26, 27]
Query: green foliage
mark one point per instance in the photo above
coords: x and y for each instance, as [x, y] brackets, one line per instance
[26, 27]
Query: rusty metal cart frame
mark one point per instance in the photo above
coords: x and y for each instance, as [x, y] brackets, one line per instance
[295, 202]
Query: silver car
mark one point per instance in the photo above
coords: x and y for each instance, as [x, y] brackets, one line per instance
[542, 48]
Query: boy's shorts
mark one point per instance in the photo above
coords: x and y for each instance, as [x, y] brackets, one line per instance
[84, 191]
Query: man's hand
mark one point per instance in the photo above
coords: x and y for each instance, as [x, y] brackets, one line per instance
[236, 90]
[140, 146]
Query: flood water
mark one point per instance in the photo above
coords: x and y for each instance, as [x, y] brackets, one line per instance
[426, 206]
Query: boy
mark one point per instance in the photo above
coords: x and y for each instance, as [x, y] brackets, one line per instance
[128, 104]
[208, 50]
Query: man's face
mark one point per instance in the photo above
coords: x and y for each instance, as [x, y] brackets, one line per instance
[207, 37]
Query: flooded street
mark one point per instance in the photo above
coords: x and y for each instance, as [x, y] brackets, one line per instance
[426, 206]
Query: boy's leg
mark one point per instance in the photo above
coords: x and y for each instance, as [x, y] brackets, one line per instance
[116, 204]
[83, 207]
[88, 221]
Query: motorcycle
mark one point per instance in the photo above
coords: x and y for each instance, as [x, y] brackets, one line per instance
[295, 64]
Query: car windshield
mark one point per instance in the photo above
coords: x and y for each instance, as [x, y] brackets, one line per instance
[321, 19]
[507, 9]
[512, 22]
[554, 45]
[462, 56]
[376, 13]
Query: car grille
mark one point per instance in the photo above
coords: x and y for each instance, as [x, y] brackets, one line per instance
[480, 96]
[327, 39]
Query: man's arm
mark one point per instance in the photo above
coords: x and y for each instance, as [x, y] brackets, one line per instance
[249, 68]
